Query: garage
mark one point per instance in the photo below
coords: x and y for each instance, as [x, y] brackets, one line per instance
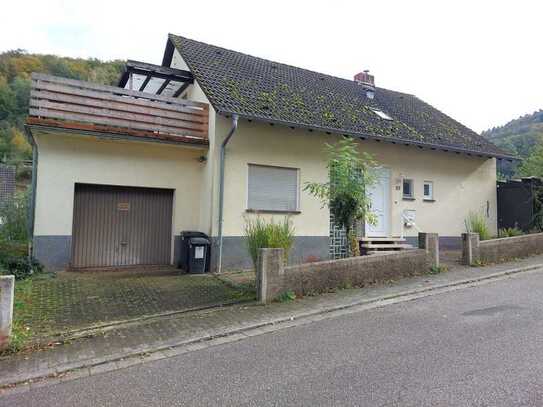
[121, 226]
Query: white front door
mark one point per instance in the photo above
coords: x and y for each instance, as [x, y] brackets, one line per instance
[380, 205]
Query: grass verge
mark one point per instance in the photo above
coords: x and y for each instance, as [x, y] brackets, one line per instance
[22, 310]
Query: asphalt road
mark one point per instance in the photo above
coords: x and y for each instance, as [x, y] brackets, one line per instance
[480, 346]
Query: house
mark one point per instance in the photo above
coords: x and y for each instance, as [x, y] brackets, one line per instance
[214, 136]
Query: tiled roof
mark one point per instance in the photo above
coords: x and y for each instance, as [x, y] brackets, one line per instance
[259, 89]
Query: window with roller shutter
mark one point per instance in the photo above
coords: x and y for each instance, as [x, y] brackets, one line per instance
[272, 188]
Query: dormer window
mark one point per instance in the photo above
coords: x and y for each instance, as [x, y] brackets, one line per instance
[381, 114]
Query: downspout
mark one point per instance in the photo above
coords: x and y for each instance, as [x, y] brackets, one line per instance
[221, 184]
[32, 207]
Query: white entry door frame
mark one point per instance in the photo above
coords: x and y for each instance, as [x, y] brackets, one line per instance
[380, 203]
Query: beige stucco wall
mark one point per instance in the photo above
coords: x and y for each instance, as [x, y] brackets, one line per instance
[461, 183]
[255, 143]
[208, 190]
[68, 159]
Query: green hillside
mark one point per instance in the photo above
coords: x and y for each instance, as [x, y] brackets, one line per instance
[15, 69]
[519, 136]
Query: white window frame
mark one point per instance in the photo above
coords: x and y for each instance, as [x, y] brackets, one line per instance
[298, 178]
[429, 197]
[411, 181]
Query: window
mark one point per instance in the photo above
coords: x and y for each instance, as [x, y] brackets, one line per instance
[272, 188]
[408, 189]
[381, 114]
[428, 191]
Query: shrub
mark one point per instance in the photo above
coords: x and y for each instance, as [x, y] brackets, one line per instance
[476, 223]
[352, 173]
[260, 234]
[438, 269]
[510, 232]
[12, 249]
[286, 296]
[21, 267]
[14, 218]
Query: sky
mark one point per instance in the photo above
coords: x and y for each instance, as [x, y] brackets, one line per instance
[479, 61]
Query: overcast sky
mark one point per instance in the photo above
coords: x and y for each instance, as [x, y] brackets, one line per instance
[478, 61]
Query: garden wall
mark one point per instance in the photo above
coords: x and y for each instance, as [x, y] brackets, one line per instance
[273, 278]
[500, 250]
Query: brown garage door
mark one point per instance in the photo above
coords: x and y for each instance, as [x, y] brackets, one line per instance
[121, 226]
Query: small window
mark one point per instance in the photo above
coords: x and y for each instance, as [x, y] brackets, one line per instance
[408, 189]
[428, 191]
[382, 114]
[272, 188]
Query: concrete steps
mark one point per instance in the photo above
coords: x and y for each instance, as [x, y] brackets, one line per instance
[376, 245]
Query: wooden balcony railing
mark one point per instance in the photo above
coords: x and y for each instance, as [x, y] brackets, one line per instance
[79, 105]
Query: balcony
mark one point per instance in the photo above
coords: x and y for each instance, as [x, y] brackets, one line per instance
[88, 107]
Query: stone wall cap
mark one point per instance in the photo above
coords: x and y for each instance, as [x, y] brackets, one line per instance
[512, 238]
[359, 259]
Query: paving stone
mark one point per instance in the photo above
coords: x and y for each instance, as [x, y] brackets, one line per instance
[194, 325]
[75, 374]
[44, 382]
[104, 367]
[132, 361]
[68, 301]
[21, 388]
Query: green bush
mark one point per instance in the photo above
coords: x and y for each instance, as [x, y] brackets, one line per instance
[351, 175]
[476, 223]
[21, 267]
[12, 249]
[510, 232]
[286, 296]
[14, 216]
[260, 234]
[438, 269]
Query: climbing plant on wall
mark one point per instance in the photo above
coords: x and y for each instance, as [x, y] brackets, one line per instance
[346, 193]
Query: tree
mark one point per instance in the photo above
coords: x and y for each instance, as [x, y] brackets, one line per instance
[533, 165]
[7, 100]
[346, 192]
[14, 218]
[16, 68]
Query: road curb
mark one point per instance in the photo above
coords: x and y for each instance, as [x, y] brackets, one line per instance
[151, 353]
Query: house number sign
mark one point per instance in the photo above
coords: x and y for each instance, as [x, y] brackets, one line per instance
[123, 206]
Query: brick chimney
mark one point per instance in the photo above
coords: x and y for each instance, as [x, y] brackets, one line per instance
[367, 81]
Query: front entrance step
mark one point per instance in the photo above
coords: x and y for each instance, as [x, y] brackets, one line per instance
[385, 246]
[381, 239]
[375, 245]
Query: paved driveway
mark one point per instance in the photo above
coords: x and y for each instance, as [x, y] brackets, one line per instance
[477, 346]
[71, 300]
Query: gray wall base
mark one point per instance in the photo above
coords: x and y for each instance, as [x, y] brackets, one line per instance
[54, 252]
[236, 256]
[445, 242]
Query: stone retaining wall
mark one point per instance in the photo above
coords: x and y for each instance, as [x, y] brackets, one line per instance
[274, 278]
[500, 250]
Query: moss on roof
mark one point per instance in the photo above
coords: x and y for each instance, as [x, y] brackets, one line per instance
[264, 90]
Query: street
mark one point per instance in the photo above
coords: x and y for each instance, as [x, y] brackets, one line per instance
[479, 346]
